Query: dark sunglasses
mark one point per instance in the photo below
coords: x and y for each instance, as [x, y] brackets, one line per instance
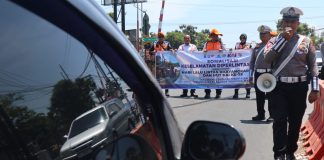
[262, 34]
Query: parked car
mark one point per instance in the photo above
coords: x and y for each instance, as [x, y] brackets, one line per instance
[58, 59]
[319, 60]
[96, 127]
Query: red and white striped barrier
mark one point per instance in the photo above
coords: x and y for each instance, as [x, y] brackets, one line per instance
[161, 17]
[313, 130]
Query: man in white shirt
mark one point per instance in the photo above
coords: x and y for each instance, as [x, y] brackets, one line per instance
[188, 47]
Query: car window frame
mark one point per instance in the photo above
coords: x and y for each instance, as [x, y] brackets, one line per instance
[106, 37]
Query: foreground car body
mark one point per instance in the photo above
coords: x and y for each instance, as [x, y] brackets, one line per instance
[96, 127]
[69, 53]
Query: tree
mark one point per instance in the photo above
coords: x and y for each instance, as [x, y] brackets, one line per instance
[197, 38]
[189, 30]
[111, 15]
[304, 29]
[32, 127]
[175, 38]
[202, 38]
[69, 100]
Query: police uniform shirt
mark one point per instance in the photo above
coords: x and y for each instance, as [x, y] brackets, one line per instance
[298, 65]
[257, 58]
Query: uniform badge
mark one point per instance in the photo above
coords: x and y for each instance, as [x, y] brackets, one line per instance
[268, 47]
[302, 48]
[291, 12]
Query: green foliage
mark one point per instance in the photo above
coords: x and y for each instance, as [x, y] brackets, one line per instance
[175, 38]
[32, 126]
[304, 29]
[197, 38]
[202, 38]
[111, 15]
[70, 99]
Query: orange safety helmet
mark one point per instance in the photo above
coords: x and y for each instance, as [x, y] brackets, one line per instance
[215, 32]
[273, 33]
[161, 34]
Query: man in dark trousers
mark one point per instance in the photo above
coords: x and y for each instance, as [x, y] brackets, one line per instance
[188, 47]
[288, 99]
[242, 45]
[258, 67]
[214, 44]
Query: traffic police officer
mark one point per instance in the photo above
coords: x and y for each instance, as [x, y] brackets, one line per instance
[258, 67]
[288, 99]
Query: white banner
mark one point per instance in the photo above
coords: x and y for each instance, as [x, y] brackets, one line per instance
[224, 69]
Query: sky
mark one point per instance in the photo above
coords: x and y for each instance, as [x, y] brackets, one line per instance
[230, 17]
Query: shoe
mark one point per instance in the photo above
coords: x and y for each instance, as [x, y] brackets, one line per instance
[167, 94]
[247, 96]
[258, 118]
[235, 96]
[290, 157]
[183, 95]
[207, 96]
[217, 96]
[193, 95]
[270, 119]
[281, 157]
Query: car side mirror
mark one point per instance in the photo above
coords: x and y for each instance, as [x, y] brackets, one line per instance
[212, 140]
[112, 113]
[132, 147]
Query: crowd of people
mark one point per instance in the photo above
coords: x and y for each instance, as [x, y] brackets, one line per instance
[290, 57]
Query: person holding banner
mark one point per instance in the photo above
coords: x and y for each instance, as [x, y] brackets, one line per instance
[188, 47]
[258, 67]
[292, 57]
[161, 45]
[242, 45]
[215, 44]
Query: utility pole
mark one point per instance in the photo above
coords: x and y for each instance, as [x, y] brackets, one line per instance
[115, 11]
[137, 29]
[123, 15]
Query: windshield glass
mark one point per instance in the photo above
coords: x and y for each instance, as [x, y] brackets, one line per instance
[88, 121]
[48, 78]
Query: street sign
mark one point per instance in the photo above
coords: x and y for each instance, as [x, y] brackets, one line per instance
[150, 39]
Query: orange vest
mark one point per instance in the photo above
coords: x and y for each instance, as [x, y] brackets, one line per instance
[213, 46]
[159, 47]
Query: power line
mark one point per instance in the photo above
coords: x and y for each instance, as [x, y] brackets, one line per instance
[89, 57]
[235, 22]
[200, 4]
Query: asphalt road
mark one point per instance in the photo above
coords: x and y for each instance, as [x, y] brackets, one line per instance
[258, 135]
